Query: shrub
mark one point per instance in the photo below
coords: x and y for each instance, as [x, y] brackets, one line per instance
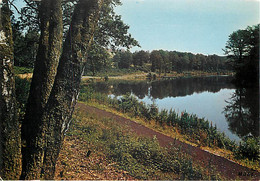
[154, 111]
[86, 93]
[22, 89]
[188, 124]
[22, 70]
[106, 78]
[248, 148]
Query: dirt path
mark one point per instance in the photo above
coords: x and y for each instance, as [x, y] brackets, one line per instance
[225, 167]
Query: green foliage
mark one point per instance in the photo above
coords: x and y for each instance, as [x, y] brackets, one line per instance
[156, 60]
[123, 59]
[115, 72]
[242, 48]
[159, 61]
[25, 45]
[98, 59]
[22, 88]
[112, 32]
[249, 148]
[140, 57]
[165, 61]
[86, 93]
[197, 129]
[22, 70]
[142, 158]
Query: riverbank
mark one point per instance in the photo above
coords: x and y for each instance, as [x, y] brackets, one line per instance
[144, 76]
[140, 75]
[178, 134]
[99, 147]
[226, 168]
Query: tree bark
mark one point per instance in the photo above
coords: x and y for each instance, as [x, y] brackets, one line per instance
[10, 138]
[66, 87]
[50, 107]
[45, 69]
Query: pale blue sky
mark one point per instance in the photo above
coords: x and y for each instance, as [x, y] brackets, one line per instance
[197, 26]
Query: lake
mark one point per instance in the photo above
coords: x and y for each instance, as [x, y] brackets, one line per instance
[234, 111]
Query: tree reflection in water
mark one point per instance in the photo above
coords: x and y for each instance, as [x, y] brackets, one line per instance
[165, 88]
[242, 112]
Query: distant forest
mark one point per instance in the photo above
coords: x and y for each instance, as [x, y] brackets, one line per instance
[160, 61]
[104, 59]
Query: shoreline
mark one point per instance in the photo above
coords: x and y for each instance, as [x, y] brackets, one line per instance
[198, 153]
[144, 76]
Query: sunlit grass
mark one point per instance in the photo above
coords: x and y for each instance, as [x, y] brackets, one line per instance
[113, 145]
[185, 127]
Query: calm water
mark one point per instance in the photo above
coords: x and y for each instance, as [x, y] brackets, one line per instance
[213, 98]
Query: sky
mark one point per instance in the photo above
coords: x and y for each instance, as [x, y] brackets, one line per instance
[197, 26]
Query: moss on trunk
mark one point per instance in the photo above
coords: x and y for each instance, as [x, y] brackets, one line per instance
[66, 87]
[50, 106]
[45, 69]
[10, 141]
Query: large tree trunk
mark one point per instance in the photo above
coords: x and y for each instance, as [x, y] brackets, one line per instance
[10, 140]
[65, 91]
[47, 117]
[45, 69]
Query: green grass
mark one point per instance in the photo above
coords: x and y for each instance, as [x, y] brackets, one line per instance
[142, 158]
[116, 72]
[22, 70]
[196, 130]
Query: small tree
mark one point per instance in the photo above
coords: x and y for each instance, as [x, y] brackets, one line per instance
[140, 57]
[126, 59]
[156, 60]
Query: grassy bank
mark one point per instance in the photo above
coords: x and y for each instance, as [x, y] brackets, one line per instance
[185, 127]
[97, 148]
[129, 74]
[106, 150]
[126, 74]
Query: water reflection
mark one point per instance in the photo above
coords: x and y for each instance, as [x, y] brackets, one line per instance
[234, 111]
[242, 112]
[165, 88]
[188, 86]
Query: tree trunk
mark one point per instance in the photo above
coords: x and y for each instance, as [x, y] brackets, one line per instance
[45, 69]
[49, 110]
[66, 88]
[10, 140]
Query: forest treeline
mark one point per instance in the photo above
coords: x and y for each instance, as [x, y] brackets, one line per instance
[102, 59]
[163, 61]
[160, 61]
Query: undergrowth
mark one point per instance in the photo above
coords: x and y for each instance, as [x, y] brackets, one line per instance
[22, 70]
[196, 130]
[142, 158]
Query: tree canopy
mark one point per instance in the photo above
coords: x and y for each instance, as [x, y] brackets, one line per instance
[242, 49]
[110, 33]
